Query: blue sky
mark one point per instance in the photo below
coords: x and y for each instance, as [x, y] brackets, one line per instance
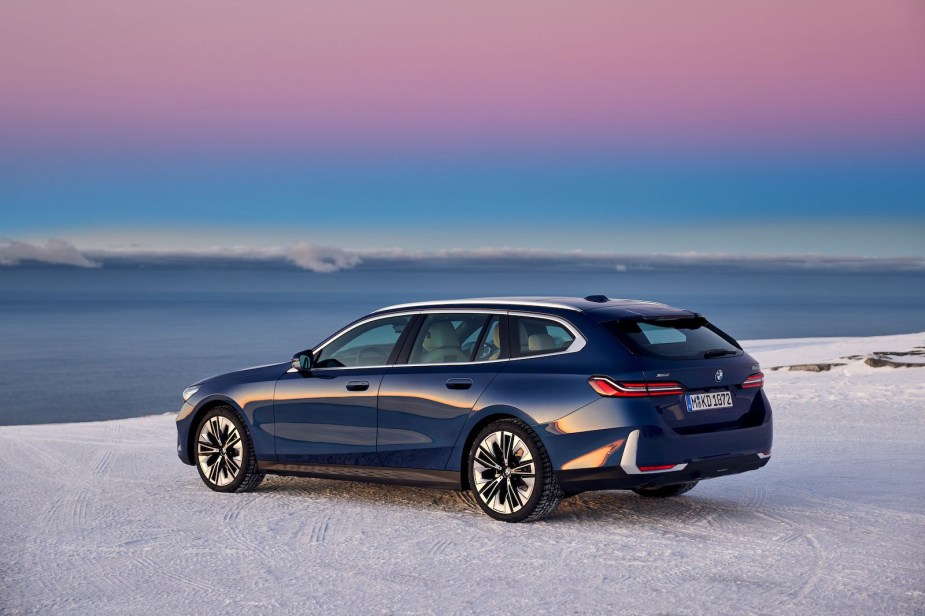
[614, 203]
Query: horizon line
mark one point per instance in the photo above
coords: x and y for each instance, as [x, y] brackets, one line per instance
[328, 259]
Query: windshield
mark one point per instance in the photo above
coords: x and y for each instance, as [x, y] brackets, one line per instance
[682, 338]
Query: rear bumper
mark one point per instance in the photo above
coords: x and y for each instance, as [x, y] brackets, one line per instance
[643, 451]
[627, 476]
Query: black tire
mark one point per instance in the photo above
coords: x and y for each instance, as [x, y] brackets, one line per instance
[493, 483]
[665, 491]
[233, 465]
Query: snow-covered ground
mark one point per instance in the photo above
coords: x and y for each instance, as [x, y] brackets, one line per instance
[103, 518]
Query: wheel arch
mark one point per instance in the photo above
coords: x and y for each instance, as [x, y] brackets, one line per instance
[474, 430]
[200, 412]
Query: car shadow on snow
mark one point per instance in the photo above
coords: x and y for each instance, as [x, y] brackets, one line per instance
[688, 511]
[621, 506]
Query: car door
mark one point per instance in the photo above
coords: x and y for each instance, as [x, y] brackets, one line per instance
[329, 415]
[425, 399]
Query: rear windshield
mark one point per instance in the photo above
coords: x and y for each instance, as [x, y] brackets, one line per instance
[684, 338]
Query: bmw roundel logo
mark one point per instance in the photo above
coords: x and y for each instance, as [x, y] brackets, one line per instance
[719, 376]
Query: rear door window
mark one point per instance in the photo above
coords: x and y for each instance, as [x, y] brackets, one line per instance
[683, 338]
[448, 338]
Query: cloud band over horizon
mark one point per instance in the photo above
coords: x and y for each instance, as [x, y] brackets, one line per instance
[327, 259]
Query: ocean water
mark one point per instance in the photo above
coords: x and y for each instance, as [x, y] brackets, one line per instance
[90, 344]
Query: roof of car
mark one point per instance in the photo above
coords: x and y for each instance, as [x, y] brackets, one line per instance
[599, 307]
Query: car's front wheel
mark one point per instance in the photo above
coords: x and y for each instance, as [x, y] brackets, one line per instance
[510, 473]
[224, 452]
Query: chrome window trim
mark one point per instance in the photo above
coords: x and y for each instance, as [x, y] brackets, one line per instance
[451, 363]
[462, 311]
[577, 345]
[499, 302]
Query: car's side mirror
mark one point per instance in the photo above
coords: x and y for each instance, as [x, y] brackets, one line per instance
[302, 361]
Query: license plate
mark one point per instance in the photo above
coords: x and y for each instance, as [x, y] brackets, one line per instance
[706, 402]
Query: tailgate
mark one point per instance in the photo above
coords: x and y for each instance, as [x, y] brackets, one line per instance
[713, 396]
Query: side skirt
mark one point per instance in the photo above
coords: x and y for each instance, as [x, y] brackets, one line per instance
[449, 480]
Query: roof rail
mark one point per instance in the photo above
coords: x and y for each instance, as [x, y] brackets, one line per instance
[491, 301]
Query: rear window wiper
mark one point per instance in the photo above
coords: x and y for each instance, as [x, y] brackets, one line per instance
[718, 353]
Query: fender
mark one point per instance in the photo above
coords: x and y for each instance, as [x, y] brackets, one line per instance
[477, 419]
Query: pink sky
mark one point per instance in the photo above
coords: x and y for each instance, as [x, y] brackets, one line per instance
[830, 72]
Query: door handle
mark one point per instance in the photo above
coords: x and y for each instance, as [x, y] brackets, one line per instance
[357, 385]
[458, 383]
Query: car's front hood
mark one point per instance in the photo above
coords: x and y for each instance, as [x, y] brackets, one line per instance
[254, 374]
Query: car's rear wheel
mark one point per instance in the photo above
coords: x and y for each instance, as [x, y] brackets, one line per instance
[224, 452]
[510, 473]
[666, 491]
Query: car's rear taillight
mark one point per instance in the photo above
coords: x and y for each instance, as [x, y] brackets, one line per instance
[755, 380]
[636, 389]
[660, 467]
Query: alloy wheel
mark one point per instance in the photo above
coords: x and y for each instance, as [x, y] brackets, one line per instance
[219, 450]
[504, 472]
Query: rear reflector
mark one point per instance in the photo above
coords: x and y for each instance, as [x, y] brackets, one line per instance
[663, 467]
[755, 380]
[606, 386]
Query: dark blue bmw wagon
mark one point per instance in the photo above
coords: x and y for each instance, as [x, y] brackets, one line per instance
[524, 401]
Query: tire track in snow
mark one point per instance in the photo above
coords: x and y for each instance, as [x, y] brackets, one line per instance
[439, 547]
[319, 532]
[62, 514]
[15, 460]
[117, 429]
[759, 496]
[36, 563]
[683, 521]
[73, 510]
[53, 508]
[791, 537]
[54, 468]
[151, 566]
[815, 574]
[116, 577]
[854, 506]
[78, 511]
[102, 465]
[799, 534]
[467, 499]
[233, 528]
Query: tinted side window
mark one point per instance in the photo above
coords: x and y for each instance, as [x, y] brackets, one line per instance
[687, 338]
[491, 347]
[369, 344]
[447, 338]
[537, 336]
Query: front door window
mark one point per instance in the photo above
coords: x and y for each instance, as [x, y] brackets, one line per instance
[369, 344]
